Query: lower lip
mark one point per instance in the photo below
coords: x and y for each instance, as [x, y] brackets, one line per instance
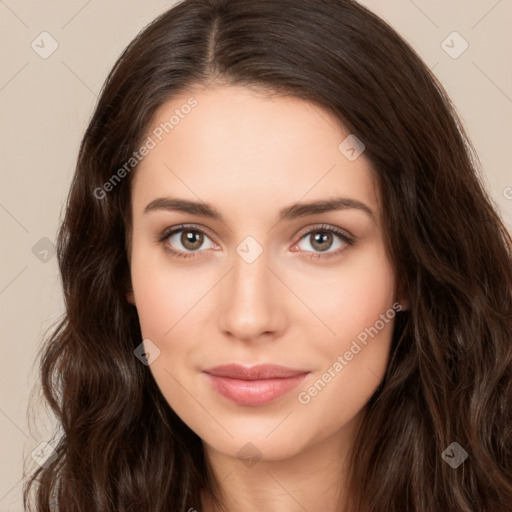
[254, 392]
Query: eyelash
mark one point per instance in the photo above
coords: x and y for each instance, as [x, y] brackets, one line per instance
[166, 234]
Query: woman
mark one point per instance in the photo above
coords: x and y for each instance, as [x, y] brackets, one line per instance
[212, 357]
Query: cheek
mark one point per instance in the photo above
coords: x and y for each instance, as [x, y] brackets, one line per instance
[155, 299]
[164, 293]
[355, 304]
[358, 307]
[351, 297]
[168, 301]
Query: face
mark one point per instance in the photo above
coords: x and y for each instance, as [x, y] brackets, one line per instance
[229, 266]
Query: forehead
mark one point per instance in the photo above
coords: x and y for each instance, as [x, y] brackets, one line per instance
[233, 146]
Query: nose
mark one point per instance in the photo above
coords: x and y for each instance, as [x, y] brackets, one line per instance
[251, 305]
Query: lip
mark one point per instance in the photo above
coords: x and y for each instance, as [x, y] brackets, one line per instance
[255, 385]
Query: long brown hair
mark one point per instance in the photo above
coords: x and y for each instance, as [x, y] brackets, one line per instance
[449, 377]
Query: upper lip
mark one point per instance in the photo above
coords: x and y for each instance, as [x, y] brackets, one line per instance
[257, 372]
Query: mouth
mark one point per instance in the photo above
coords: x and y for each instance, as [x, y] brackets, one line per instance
[256, 385]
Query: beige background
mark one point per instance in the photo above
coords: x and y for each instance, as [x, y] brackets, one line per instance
[46, 104]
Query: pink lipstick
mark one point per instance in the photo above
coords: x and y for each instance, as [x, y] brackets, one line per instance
[255, 385]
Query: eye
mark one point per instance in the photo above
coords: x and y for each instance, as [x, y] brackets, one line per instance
[190, 238]
[322, 239]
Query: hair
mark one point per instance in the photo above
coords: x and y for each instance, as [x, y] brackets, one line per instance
[449, 375]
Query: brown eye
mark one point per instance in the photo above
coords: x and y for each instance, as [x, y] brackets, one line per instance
[191, 240]
[321, 240]
[183, 241]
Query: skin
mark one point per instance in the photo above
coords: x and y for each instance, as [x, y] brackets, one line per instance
[250, 155]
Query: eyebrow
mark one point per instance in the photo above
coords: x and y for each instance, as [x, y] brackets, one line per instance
[294, 211]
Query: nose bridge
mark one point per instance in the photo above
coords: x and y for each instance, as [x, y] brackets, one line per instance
[249, 303]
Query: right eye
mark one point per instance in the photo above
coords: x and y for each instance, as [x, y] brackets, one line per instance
[190, 238]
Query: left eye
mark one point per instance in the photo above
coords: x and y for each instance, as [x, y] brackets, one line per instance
[321, 240]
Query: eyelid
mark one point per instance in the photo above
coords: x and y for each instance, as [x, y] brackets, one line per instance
[167, 232]
[324, 227]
